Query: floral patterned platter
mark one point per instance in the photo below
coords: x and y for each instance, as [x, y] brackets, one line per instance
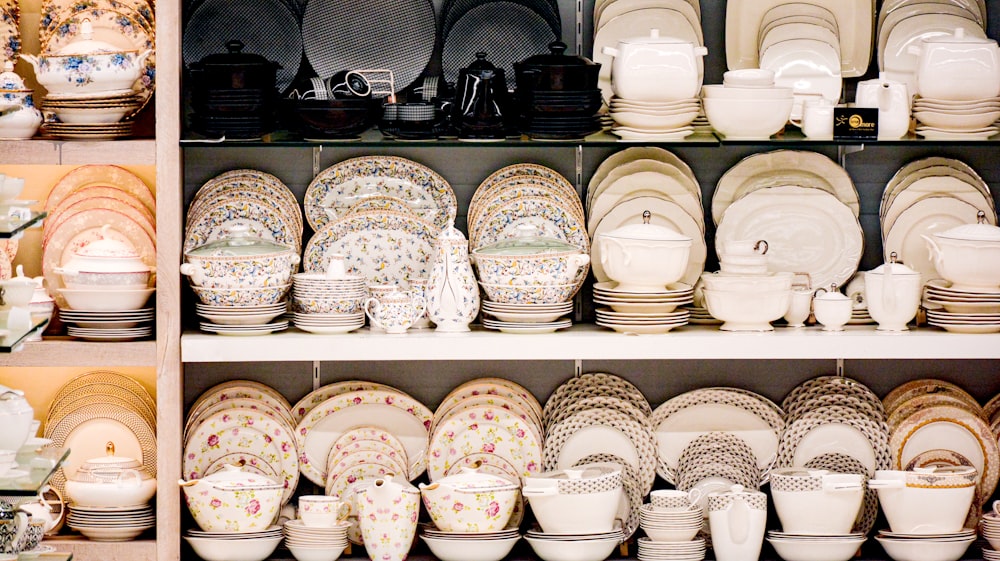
[393, 411]
[484, 428]
[341, 186]
[493, 386]
[10, 33]
[552, 220]
[53, 11]
[315, 397]
[247, 183]
[514, 170]
[237, 431]
[261, 217]
[212, 407]
[383, 247]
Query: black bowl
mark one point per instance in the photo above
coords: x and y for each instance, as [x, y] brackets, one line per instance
[333, 118]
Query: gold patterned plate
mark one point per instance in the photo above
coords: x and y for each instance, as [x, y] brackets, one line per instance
[99, 174]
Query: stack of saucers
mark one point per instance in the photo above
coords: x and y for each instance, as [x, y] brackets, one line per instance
[111, 524]
[328, 303]
[946, 119]
[558, 547]
[309, 543]
[456, 546]
[222, 546]
[526, 316]
[693, 550]
[961, 311]
[989, 528]
[652, 120]
[108, 325]
[642, 312]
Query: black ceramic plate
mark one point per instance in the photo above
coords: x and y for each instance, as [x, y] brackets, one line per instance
[349, 35]
[266, 27]
[507, 32]
[454, 9]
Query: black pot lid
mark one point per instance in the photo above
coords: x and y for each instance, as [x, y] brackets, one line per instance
[556, 57]
[234, 57]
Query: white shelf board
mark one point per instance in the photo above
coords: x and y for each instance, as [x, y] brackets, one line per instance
[589, 342]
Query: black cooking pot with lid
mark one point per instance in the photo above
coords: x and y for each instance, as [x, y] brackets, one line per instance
[234, 70]
[556, 71]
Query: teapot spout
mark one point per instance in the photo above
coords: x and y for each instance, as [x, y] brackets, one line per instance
[30, 59]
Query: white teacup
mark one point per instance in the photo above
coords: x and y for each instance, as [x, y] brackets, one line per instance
[395, 312]
[674, 499]
[323, 511]
[817, 119]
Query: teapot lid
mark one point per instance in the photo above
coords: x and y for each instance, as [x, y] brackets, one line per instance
[647, 231]
[654, 38]
[19, 278]
[480, 64]
[13, 401]
[471, 479]
[557, 57]
[110, 460]
[239, 240]
[980, 231]
[528, 241]
[832, 293]
[10, 80]
[958, 36]
[85, 44]
[893, 267]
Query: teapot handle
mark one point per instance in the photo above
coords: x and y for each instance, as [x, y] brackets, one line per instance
[419, 304]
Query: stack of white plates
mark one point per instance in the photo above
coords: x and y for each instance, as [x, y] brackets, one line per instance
[989, 528]
[108, 326]
[634, 180]
[111, 524]
[961, 311]
[940, 119]
[527, 313]
[304, 540]
[829, 548]
[925, 197]
[698, 315]
[693, 550]
[241, 421]
[855, 290]
[653, 121]
[930, 547]
[646, 312]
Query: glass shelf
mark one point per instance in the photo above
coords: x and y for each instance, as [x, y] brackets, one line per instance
[34, 470]
[52, 556]
[11, 342]
[14, 226]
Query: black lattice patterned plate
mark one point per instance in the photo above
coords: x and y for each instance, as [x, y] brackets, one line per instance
[455, 9]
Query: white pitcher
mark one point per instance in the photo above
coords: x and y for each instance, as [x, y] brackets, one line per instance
[737, 519]
[893, 292]
[892, 99]
[387, 513]
[452, 293]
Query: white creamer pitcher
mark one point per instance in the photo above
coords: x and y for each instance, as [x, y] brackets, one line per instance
[737, 519]
[892, 99]
[387, 514]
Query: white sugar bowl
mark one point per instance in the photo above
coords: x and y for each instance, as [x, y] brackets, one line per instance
[644, 257]
[832, 308]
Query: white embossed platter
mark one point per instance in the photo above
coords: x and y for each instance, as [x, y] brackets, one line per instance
[618, 159]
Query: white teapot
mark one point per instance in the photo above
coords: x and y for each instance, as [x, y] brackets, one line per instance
[892, 99]
[656, 68]
[892, 291]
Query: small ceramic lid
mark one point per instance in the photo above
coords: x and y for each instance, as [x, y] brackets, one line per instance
[647, 231]
[528, 242]
[958, 36]
[832, 293]
[106, 255]
[892, 267]
[110, 460]
[13, 402]
[471, 479]
[239, 242]
[85, 44]
[19, 278]
[10, 80]
[981, 231]
[233, 477]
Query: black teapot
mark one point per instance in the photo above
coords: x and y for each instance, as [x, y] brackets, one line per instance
[481, 101]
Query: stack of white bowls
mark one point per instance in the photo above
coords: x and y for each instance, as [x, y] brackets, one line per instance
[331, 302]
[320, 531]
[958, 81]
[671, 521]
[656, 81]
[747, 113]
[743, 294]
[989, 528]
[817, 509]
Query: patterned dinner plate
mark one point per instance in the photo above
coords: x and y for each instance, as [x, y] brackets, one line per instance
[511, 188]
[343, 185]
[493, 386]
[835, 429]
[484, 428]
[550, 217]
[593, 384]
[382, 247]
[103, 175]
[262, 218]
[247, 183]
[507, 172]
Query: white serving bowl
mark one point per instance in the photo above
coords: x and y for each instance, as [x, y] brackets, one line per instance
[968, 256]
[748, 119]
[752, 283]
[747, 310]
[90, 116]
[677, 534]
[925, 550]
[715, 91]
[566, 550]
[749, 78]
[916, 503]
[469, 549]
[256, 549]
[580, 500]
[101, 300]
[324, 553]
[816, 501]
[816, 550]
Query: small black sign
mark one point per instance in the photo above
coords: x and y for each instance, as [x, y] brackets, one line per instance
[855, 123]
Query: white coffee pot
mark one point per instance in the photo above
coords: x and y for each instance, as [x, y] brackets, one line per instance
[737, 519]
[892, 99]
[892, 291]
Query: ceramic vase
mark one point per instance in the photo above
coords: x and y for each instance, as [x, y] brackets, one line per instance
[452, 293]
[387, 514]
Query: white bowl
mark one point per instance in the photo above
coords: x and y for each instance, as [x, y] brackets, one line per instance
[913, 509]
[469, 549]
[816, 501]
[99, 300]
[752, 283]
[749, 78]
[325, 553]
[815, 550]
[643, 265]
[89, 116]
[255, 549]
[566, 550]
[748, 119]
[747, 310]
[585, 513]
[715, 91]
[925, 550]
[676, 534]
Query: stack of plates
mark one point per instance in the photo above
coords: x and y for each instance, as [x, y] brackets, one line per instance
[251, 316]
[350, 432]
[933, 423]
[298, 536]
[902, 23]
[646, 312]
[638, 179]
[653, 121]
[88, 131]
[939, 119]
[603, 418]
[383, 213]
[241, 422]
[108, 326]
[111, 524]
[693, 550]
[855, 290]
[100, 407]
[328, 305]
[803, 204]
[715, 461]
[989, 527]
[456, 545]
[961, 311]
[928, 196]
[527, 318]
[225, 545]
[615, 20]
[96, 202]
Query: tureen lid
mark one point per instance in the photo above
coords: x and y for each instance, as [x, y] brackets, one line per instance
[981, 231]
[557, 57]
[85, 44]
[958, 36]
[10, 80]
[110, 460]
[108, 248]
[647, 231]
[527, 242]
[832, 293]
[471, 479]
[654, 38]
[231, 476]
[893, 267]
[239, 241]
